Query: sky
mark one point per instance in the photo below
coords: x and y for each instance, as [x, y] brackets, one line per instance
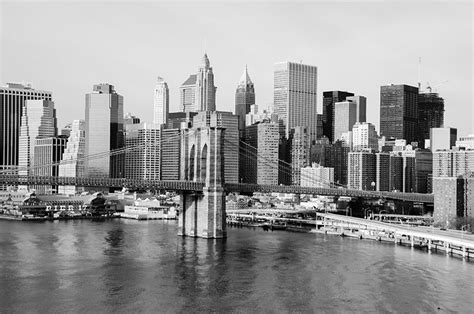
[66, 47]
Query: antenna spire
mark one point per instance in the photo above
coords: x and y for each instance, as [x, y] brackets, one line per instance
[419, 74]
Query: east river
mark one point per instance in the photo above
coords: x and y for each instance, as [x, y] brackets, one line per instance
[139, 266]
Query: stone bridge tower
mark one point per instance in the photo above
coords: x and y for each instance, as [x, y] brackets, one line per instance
[202, 159]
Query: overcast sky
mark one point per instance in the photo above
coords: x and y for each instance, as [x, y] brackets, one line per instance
[357, 46]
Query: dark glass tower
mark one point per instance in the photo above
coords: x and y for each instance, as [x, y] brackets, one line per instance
[399, 112]
[244, 98]
[430, 115]
[329, 99]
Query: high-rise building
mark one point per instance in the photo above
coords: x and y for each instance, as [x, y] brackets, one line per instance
[180, 120]
[104, 132]
[198, 92]
[244, 98]
[329, 100]
[47, 155]
[143, 151]
[442, 138]
[261, 159]
[38, 121]
[295, 96]
[430, 115]
[423, 170]
[317, 176]
[382, 172]
[361, 171]
[12, 100]
[229, 122]
[364, 136]
[161, 102]
[300, 150]
[453, 163]
[361, 105]
[72, 161]
[170, 154]
[453, 198]
[346, 117]
[399, 112]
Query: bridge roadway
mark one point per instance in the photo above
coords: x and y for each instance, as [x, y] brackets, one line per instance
[192, 186]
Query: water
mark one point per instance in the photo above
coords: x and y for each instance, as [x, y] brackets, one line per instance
[130, 266]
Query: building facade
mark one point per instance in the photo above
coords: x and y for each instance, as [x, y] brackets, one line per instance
[430, 115]
[364, 137]
[317, 176]
[361, 171]
[244, 99]
[170, 154]
[453, 163]
[161, 102]
[143, 151]
[399, 112]
[346, 116]
[104, 132]
[295, 96]
[442, 138]
[300, 150]
[361, 105]
[330, 98]
[12, 101]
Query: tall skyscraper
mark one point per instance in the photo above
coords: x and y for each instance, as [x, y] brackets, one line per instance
[399, 112]
[143, 156]
[361, 105]
[104, 132]
[161, 102]
[38, 121]
[230, 122]
[346, 117]
[198, 92]
[364, 136]
[261, 157]
[12, 100]
[295, 96]
[329, 100]
[299, 151]
[170, 154]
[430, 115]
[361, 171]
[244, 98]
[72, 161]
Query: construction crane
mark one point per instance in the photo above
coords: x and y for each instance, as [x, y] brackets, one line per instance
[430, 87]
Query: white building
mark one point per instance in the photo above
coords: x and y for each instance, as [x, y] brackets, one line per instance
[255, 115]
[442, 138]
[466, 141]
[72, 162]
[345, 113]
[364, 137]
[317, 176]
[161, 102]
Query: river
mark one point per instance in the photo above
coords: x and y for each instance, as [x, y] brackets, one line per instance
[143, 266]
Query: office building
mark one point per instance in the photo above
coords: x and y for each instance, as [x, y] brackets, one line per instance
[453, 198]
[295, 96]
[143, 151]
[72, 160]
[317, 176]
[364, 137]
[38, 121]
[244, 98]
[333, 155]
[170, 154]
[442, 138]
[361, 174]
[104, 132]
[261, 160]
[466, 142]
[198, 92]
[430, 115]
[229, 122]
[12, 101]
[330, 98]
[346, 117]
[423, 170]
[130, 119]
[299, 152]
[180, 120]
[399, 112]
[47, 155]
[161, 102]
[382, 172]
[361, 106]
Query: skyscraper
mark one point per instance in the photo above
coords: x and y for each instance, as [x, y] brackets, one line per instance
[361, 106]
[329, 99]
[244, 98]
[442, 138]
[399, 112]
[198, 92]
[295, 96]
[299, 151]
[430, 115]
[346, 117]
[170, 154]
[38, 120]
[104, 132]
[161, 102]
[143, 156]
[364, 136]
[12, 99]
[72, 161]
[361, 171]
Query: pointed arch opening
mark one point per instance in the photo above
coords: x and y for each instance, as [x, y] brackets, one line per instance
[191, 163]
[204, 163]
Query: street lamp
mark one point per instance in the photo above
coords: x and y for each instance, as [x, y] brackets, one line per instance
[373, 185]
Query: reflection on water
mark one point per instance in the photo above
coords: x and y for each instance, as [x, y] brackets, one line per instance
[130, 266]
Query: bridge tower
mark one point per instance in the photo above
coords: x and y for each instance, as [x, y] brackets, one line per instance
[202, 159]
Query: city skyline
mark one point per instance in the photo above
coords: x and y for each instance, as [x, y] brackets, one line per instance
[382, 59]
